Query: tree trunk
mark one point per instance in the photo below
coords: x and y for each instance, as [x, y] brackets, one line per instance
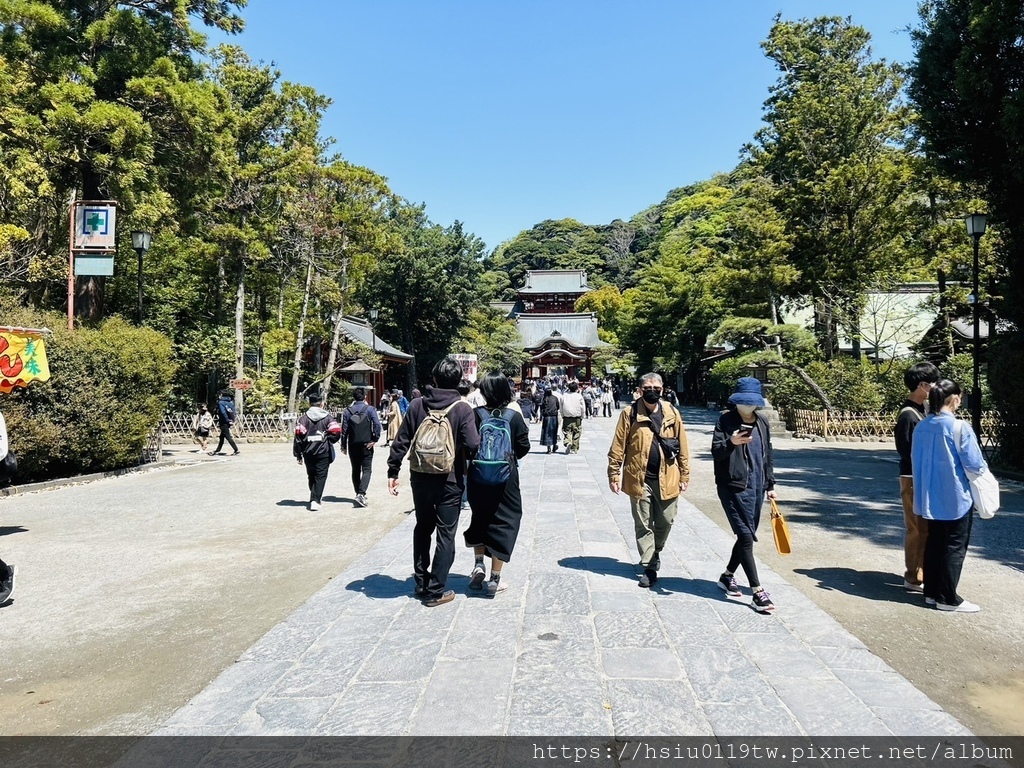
[806, 379]
[332, 356]
[240, 334]
[293, 390]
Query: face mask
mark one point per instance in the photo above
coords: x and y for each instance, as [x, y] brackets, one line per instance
[651, 397]
[746, 410]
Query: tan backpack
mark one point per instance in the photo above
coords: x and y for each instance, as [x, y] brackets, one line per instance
[433, 446]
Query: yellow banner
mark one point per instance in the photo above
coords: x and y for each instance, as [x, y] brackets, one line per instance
[22, 360]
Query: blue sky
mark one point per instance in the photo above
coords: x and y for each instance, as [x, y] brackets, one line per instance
[503, 114]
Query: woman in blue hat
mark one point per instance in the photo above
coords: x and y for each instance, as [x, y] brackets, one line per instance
[742, 451]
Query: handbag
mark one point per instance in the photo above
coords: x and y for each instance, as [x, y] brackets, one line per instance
[780, 530]
[984, 486]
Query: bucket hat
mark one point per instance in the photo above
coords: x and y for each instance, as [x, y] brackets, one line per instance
[748, 392]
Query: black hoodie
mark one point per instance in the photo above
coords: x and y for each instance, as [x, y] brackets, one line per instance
[467, 439]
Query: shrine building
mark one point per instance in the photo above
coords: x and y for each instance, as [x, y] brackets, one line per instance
[559, 340]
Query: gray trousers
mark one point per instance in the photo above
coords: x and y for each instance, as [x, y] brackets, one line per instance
[652, 521]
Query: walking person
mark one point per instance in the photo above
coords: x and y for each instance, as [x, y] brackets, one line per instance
[549, 409]
[394, 418]
[573, 408]
[225, 420]
[383, 409]
[741, 448]
[497, 506]
[526, 407]
[202, 423]
[944, 451]
[588, 401]
[649, 459]
[316, 432]
[439, 434]
[607, 400]
[360, 431]
[919, 380]
[538, 399]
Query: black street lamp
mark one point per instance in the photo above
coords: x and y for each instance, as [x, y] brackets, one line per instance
[976, 228]
[373, 329]
[141, 242]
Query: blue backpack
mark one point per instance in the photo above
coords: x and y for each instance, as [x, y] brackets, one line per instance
[493, 462]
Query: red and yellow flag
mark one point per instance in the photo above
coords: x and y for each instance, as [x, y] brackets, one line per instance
[22, 358]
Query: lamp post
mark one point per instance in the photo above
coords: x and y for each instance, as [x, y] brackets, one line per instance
[373, 329]
[141, 242]
[976, 228]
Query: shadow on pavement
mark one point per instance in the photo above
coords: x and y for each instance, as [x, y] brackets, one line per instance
[292, 503]
[7, 530]
[696, 587]
[380, 586]
[872, 585]
[608, 566]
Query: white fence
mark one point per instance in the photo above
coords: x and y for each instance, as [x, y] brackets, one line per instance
[253, 428]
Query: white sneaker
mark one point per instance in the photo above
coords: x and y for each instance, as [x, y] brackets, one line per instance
[314, 506]
[360, 500]
[964, 607]
[912, 587]
[929, 601]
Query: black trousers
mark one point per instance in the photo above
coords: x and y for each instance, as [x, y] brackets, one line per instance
[438, 503]
[225, 434]
[362, 465]
[606, 409]
[316, 471]
[944, 552]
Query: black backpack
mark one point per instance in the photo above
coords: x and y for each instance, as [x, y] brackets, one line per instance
[360, 427]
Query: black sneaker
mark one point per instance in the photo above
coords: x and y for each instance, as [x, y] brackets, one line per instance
[728, 583]
[648, 578]
[762, 602]
[7, 585]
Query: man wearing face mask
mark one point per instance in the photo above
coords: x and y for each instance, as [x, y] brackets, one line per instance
[650, 461]
[741, 448]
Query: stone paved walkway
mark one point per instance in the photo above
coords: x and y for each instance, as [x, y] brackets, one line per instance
[571, 647]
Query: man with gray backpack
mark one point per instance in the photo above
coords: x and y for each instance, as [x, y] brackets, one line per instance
[439, 434]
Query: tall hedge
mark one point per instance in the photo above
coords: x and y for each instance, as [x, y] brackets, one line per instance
[108, 388]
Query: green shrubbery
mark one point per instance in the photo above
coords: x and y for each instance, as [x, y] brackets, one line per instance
[850, 385]
[108, 389]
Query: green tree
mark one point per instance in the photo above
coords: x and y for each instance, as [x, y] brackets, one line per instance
[834, 148]
[494, 340]
[424, 290]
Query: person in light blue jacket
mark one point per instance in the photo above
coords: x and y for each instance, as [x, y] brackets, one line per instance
[944, 451]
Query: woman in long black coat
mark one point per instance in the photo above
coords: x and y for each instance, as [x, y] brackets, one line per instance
[497, 509]
[549, 408]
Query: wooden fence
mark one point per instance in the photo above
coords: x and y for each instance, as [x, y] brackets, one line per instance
[253, 428]
[867, 427]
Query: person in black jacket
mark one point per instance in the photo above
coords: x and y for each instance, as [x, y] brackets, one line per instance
[360, 431]
[436, 497]
[497, 509]
[225, 420]
[742, 451]
[316, 432]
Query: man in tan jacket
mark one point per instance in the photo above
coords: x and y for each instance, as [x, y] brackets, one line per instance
[650, 461]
